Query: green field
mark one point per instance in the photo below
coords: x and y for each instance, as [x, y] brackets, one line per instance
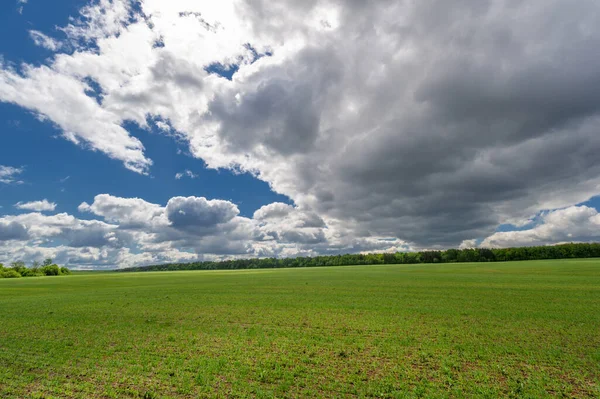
[521, 329]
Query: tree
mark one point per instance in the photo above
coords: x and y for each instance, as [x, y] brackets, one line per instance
[51, 270]
[19, 267]
[35, 268]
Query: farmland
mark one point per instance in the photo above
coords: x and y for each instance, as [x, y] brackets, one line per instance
[518, 329]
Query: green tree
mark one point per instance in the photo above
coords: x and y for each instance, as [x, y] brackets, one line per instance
[18, 267]
[51, 270]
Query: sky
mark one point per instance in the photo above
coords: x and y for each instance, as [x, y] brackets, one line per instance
[145, 132]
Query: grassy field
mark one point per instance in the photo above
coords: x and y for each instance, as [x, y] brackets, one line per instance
[522, 329]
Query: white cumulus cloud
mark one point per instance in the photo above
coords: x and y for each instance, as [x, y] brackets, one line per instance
[38, 206]
[572, 224]
[134, 232]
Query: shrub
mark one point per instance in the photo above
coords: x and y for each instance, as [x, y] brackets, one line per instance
[10, 273]
[29, 272]
[65, 271]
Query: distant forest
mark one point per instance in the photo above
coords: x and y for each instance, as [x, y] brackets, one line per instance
[563, 251]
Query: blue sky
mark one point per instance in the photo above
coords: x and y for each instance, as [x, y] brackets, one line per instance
[48, 160]
[260, 131]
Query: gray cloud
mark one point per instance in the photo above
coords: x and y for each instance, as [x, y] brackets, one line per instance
[97, 236]
[434, 132]
[12, 231]
[193, 212]
[281, 108]
[273, 211]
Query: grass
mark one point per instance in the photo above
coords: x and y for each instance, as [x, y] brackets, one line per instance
[521, 329]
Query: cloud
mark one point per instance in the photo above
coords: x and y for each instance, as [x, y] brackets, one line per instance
[41, 230]
[468, 244]
[48, 93]
[572, 224]
[44, 41]
[284, 223]
[424, 123]
[100, 19]
[20, 5]
[207, 227]
[193, 212]
[38, 206]
[185, 173]
[421, 131]
[274, 210]
[136, 232]
[12, 231]
[127, 212]
[163, 126]
[8, 174]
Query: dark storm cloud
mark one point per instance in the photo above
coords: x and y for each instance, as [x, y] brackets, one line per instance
[468, 114]
[282, 110]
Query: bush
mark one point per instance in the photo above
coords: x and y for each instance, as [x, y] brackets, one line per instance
[64, 271]
[30, 272]
[10, 273]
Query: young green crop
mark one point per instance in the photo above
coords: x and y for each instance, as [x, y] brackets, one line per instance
[521, 329]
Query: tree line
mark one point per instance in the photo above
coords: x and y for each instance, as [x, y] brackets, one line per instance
[564, 251]
[19, 269]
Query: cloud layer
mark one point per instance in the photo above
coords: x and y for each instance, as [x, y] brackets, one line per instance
[133, 232]
[426, 122]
